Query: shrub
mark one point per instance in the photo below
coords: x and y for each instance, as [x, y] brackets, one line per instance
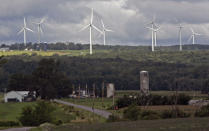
[113, 118]
[202, 112]
[34, 116]
[149, 115]
[183, 99]
[152, 100]
[27, 116]
[174, 114]
[125, 101]
[9, 123]
[131, 113]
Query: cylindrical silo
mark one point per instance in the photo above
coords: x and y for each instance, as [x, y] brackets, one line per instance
[144, 82]
[110, 90]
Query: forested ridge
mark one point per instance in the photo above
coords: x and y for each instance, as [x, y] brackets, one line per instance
[169, 70]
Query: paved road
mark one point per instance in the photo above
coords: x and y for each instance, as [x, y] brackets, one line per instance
[102, 113]
[18, 129]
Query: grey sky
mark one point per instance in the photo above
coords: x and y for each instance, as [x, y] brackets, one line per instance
[126, 17]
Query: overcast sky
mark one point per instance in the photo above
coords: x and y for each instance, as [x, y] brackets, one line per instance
[127, 18]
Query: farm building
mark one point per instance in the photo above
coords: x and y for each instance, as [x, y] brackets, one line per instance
[18, 96]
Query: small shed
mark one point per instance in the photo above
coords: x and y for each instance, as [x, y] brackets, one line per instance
[15, 96]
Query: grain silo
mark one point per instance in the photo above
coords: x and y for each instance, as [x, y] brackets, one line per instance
[144, 82]
[110, 90]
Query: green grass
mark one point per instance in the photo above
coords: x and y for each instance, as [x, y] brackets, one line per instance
[70, 114]
[107, 102]
[1, 97]
[187, 124]
[11, 111]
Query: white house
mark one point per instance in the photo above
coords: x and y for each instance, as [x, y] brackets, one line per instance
[16, 96]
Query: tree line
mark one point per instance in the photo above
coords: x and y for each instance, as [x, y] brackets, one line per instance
[61, 73]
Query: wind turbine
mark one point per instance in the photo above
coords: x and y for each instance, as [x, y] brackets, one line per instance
[155, 36]
[90, 25]
[24, 31]
[40, 31]
[104, 31]
[193, 36]
[153, 25]
[180, 40]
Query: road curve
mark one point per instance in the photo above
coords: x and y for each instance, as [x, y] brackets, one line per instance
[102, 113]
[18, 129]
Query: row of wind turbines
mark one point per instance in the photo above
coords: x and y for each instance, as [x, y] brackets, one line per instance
[154, 29]
[91, 26]
[25, 29]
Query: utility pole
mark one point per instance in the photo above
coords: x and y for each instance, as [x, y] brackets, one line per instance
[86, 90]
[93, 99]
[103, 94]
[79, 91]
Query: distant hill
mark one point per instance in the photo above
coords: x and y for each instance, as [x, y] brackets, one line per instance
[73, 46]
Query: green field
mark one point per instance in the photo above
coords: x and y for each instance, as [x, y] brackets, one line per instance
[188, 124]
[11, 111]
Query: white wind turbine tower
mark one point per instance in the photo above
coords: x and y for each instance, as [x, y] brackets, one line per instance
[90, 25]
[180, 38]
[104, 31]
[155, 36]
[40, 31]
[193, 36]
[24, 31]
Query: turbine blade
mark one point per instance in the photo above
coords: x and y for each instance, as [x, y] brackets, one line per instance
[150, 28]
[92, 15]
[189, 39]
[42, 20]
[24, 22]
[109, 30]
[97, 29]
[41, 30]
[158, 28]
[20, 31]
[192, 30]
[198, 34]
[102, 24]
[29, 29]
[84, 28]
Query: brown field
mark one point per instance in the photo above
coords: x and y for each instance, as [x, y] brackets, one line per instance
[186, 108]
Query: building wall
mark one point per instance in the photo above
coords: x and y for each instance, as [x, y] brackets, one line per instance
[13, 95]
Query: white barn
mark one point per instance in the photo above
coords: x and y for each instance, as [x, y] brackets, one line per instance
[15, 96]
